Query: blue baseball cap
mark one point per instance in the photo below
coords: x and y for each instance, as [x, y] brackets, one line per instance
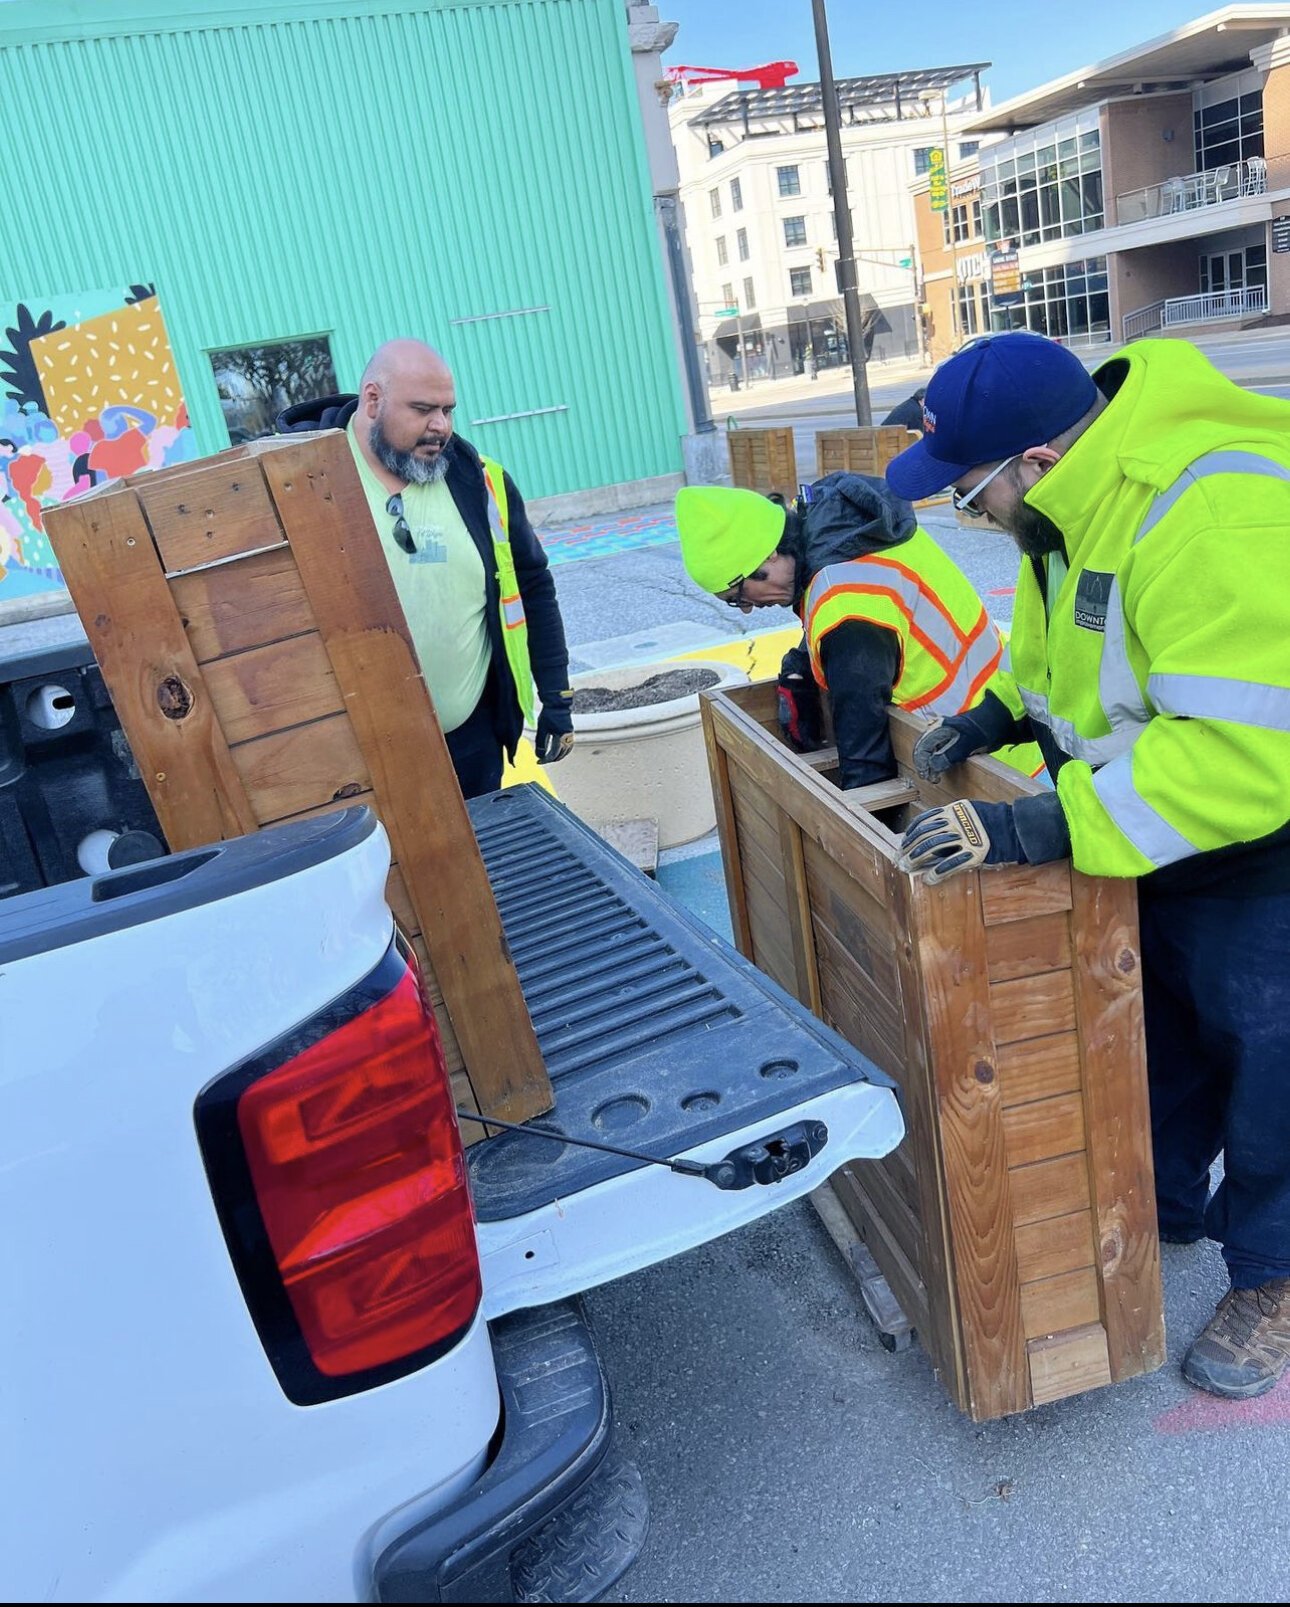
[998, 397]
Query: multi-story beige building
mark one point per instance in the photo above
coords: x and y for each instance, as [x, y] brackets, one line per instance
[1148, 192]
[759, 222]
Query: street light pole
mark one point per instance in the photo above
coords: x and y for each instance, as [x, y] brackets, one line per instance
[842, 212]
[955, 320]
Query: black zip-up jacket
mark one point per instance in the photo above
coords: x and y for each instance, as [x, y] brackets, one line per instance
[547, 651]
[848, 516]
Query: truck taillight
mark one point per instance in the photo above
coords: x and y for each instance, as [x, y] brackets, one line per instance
[348, 1194]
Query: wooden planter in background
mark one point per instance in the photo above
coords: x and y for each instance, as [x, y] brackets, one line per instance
[860, 451]
[1016, 1224]
[763, 460]
[248, 629]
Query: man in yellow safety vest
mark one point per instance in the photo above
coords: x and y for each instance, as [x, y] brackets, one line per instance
[470, 572]
[888, 617]
[1151, 648]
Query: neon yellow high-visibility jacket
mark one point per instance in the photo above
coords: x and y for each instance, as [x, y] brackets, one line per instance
[1164, 671]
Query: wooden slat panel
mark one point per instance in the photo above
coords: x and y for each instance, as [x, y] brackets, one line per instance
[321, 506]
[801, 933]
[232, 607]
[217, 510]
[853, 1006]
[270, 688]
[1121, 1176]
[980, 777]
[1068, 1364]
[1056, 1305]
[1033, 1006]
[106, 554]
[300, 769]
[902, 1274]
[1018, 892]
[771, 950]
[727, 830]
[843, 910]
[1027, 948]
[1044, 1129]
[891, 1209]
[951, 947]
[1061, 1244]
[1038, 1068]
[1049, 1189]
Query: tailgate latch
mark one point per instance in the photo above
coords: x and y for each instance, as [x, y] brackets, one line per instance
[769, 1160]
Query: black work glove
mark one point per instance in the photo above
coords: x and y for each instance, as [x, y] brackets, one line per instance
[554, 736]
[800, 716]
[988, 726]
[964, 835]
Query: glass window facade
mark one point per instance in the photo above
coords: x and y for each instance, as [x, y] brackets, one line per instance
[922, 159]
[1045, 184]
[741, 240]
[789, 180]
[794, 231]
[722, 255]
[799, 281]
[1229, 132]
[714, 201]
[736, 196]
[1243, 269]
[1070, 302]
[750, 299]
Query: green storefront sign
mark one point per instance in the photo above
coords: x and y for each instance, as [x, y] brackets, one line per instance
[939, 182]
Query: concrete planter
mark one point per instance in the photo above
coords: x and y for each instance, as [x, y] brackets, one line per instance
[643, 763]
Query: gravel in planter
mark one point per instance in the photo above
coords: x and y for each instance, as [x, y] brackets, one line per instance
[662, 688]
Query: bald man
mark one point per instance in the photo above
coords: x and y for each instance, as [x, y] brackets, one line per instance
[470, 572]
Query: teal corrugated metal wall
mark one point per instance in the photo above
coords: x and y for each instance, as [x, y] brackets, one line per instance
[367, 171]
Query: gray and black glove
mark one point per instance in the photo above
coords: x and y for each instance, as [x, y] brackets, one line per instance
[964, 835]
[554, 736]
[990, 725]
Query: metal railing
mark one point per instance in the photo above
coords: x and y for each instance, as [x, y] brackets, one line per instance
[1230, 182]
[1202, 309]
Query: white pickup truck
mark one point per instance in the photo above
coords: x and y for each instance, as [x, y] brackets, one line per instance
[272, 1335]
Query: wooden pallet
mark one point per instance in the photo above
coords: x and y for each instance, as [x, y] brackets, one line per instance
[763, 460]
[1016, 1223]
[251, 637]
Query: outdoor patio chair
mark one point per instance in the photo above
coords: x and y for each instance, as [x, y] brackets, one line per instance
[1172, 195]
[1256, 176]
[1217, 180]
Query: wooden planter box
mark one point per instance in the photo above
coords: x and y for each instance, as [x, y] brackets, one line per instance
[860, 451]
[763, 460]
[248, 629]
[1016, 1223]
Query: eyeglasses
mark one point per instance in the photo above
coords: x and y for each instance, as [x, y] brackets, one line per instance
[737, 600]
[402, 530]
[962, 503]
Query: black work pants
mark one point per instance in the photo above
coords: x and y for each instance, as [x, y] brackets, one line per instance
[1216, 984]
[476, 753]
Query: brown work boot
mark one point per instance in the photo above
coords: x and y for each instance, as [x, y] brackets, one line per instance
[1245, 1346]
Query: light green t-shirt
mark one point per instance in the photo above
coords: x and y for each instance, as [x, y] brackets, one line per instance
[441, 588]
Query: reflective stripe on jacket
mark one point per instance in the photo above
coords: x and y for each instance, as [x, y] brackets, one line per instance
[950, 651]
[1164, 671]
[515, 631]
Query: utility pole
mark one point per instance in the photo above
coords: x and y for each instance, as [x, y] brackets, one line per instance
[842, 212]
[955, 320]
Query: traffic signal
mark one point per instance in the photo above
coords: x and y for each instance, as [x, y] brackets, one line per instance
[819, 258]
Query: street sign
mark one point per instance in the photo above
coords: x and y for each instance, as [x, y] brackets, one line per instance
[938, 180]
[727, 312]
[1005, 279]
[1281, 233]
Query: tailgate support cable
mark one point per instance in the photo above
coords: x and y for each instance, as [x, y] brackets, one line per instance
[766, 1162]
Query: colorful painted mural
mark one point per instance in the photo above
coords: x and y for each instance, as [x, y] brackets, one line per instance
[88, 393]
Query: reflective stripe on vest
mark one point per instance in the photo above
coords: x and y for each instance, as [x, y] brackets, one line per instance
[515, 635]
[1128, 710]
[964, 659]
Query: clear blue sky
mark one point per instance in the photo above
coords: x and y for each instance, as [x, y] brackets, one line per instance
[1028, 44]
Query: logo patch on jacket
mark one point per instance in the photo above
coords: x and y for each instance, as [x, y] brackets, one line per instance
[1091, 595]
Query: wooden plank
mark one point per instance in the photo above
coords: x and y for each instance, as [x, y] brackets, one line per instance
[1044, 1129]
[270, 688]
[105, 551]
[860, 924]
[727, 831]
[321, 506]
[1121, 1177]
[1025, 948]
[979, 777]
[400, 902]
[771, 950]
[1018, 892]
[900, 1270]
[1038, 1068]
[880, 795]
[951, 947]
[892, 1210]
[231, 607]
[1033, 1006]
[1048, 1189]
[1068, 1364]
[219, 510]
[800, 926]
[1061, 1244]
[1056, 1305]
[307, 766]
[855, 1007]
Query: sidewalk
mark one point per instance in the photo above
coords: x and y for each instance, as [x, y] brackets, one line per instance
[830, 382]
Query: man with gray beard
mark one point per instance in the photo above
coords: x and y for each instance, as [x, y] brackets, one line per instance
[470, 572]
